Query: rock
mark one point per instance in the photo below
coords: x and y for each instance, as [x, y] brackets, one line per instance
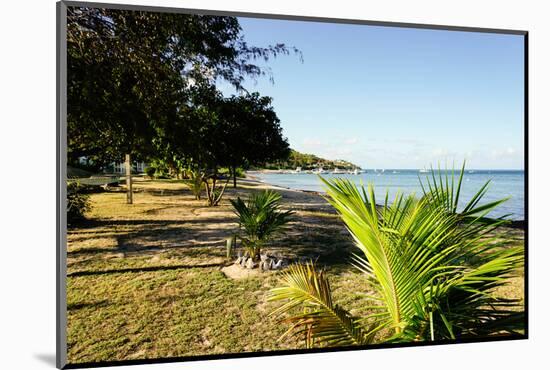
[250, 263]
[238, 260]
[263, 266]
[266, 264]
[278, 265]
[237, 272]
[156, 258]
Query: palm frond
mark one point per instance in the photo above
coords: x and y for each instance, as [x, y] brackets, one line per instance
[261, 217]
[434, 266]
[322, 319]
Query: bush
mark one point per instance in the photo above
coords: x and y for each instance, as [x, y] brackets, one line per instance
[78, 202]
[225, 171]
[240, 172]
[150, 171]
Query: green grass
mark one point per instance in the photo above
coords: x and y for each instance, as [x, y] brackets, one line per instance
[166, 313]
[135, 289]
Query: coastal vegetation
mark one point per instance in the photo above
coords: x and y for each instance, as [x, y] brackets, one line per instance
[434, 269]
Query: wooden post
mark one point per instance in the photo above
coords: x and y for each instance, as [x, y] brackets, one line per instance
[128, 165]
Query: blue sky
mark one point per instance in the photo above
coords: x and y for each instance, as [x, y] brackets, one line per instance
[386, 97]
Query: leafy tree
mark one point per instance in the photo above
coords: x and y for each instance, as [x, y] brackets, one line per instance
[215, 131]
[434, 269]
[252, 132]
[131, 73]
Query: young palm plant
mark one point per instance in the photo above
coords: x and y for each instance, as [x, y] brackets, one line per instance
[260, 218]
[434, 269]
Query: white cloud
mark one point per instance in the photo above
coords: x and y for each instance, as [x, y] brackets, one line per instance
[506, 152]
[310, 142]
[351, 141]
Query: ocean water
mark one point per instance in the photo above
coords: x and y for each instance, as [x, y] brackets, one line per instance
[503, 184]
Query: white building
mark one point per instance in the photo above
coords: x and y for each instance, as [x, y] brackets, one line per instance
[118, 167]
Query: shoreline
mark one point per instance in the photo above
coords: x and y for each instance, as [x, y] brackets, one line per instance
[514, 224]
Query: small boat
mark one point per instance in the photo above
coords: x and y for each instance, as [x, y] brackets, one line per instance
[423, 170]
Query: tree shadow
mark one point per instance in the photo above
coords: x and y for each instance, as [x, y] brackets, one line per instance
[78, 306]
[142, 269]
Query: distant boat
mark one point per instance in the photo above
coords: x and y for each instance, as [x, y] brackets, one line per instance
[423, 170]
[298, 170]
[355, 171]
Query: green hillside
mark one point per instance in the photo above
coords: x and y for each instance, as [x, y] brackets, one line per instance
[309, 162]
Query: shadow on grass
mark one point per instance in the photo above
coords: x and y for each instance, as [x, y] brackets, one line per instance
[87, 251]
[78, 306]
[143, 269]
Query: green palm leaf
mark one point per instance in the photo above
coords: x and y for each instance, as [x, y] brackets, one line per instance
[435, 268]
[260, 217]
[322, 319]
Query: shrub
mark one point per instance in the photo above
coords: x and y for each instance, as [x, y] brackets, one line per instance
[78, 202]
[150, 171]
[239, 172]
[260, 218]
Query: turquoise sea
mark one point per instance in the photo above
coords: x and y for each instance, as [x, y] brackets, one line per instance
[504, 183]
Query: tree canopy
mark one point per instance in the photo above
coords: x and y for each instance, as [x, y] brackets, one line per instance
[134, 76]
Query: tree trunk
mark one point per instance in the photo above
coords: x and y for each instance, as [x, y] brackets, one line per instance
[128, 165]
[234, 172]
